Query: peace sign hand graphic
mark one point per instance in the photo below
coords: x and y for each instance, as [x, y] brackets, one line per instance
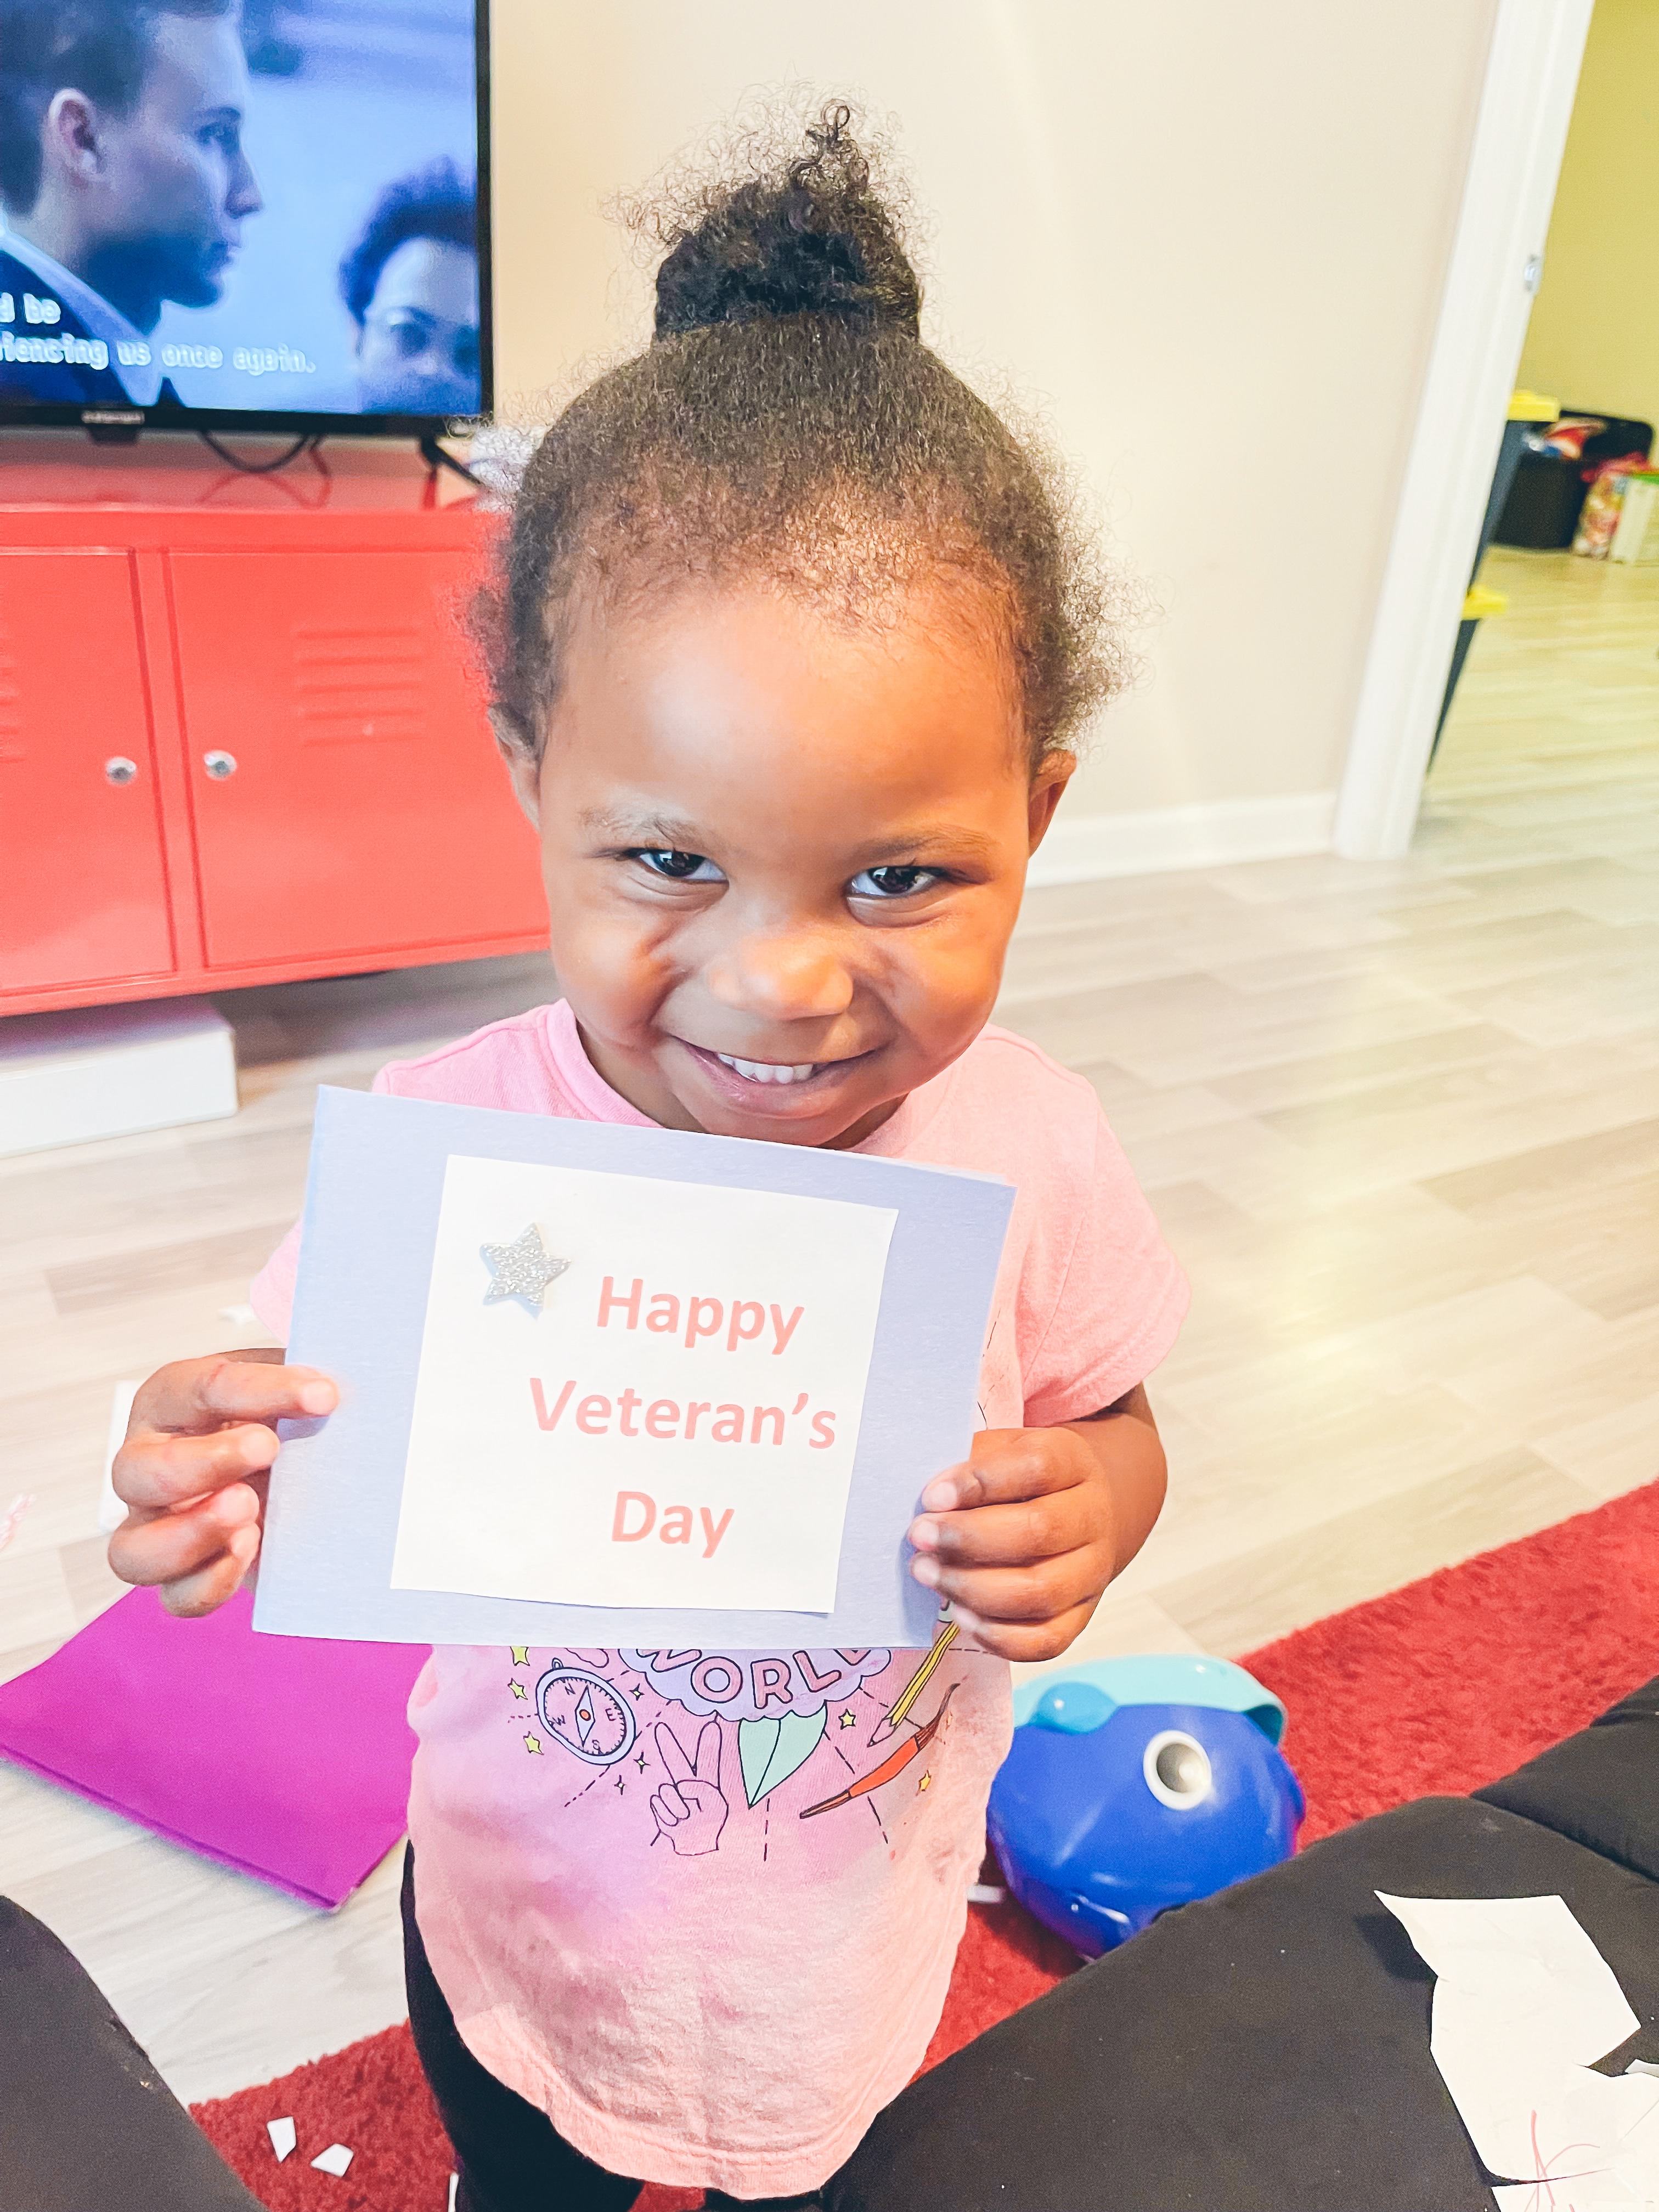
[689, 1809]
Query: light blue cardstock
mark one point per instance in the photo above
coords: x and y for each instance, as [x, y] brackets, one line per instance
[371, 1217]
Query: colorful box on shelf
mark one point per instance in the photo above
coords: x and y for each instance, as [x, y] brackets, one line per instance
[1636, 536]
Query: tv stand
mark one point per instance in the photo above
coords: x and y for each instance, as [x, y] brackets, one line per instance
[241, 738]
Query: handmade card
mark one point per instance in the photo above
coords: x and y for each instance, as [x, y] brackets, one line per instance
[603, 1386]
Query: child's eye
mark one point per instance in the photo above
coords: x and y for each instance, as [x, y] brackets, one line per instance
[891, 882]
[679, 867]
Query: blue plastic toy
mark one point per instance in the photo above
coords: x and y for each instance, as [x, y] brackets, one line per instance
[1136, 1784]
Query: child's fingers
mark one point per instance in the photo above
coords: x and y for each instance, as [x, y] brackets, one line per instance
[210, 1585]
[1008, 1464]
[1042, 1592]
[1028, 1643]
[202, 1423]
[168, 1547]
[1011, 1536]
[155, 1470]
[195, 1396]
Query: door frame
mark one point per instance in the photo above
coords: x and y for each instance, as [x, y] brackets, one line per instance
[1497, 260]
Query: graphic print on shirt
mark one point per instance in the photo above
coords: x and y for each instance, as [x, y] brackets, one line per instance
[690, 1808]
[778, 1702]
[586, 1714]
[892, 1765]
[778, 1706]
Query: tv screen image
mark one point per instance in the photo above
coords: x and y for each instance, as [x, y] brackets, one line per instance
[269, 214]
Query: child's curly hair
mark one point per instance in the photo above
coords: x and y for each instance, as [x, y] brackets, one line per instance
[786, 424]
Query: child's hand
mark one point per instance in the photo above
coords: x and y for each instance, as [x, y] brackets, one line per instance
[1026, 1534]
[192, 1471]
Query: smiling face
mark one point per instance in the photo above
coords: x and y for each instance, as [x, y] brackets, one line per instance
[783, 856]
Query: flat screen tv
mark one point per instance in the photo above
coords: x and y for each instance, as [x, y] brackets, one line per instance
[267, 216]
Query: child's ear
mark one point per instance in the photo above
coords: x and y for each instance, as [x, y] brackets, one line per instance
[522, 767]
[1054, 771]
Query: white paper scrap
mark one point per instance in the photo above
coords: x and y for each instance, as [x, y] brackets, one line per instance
[282, 2137]
[454, 2183]
[985, 1893]
[1523, 2004]
[335, 2159]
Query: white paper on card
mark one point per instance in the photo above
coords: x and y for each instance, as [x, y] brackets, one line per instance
[335, 2159]
[1524, 2003]
[674, 1423]
[283, 2137]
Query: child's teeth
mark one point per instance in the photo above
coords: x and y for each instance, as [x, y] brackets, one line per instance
[761, 1071]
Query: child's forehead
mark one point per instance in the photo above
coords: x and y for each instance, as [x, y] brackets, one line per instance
[763, 735]
[749, 679]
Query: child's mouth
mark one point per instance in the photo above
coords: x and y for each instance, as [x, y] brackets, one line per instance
[771, 1086]
[766, 1071]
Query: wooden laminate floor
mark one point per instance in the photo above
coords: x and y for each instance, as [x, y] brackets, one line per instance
[1400, 1121]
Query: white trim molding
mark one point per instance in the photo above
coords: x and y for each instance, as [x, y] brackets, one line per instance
[1519, 134]
[1088, 848]
[66, 1078]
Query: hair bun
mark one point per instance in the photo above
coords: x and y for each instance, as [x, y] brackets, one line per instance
[814, 240]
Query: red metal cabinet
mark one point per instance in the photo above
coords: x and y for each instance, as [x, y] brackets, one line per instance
[83, 887]
[314, 788]
[359, 804]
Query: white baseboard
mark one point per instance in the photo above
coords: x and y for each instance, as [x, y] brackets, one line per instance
[111, 1071]
[1088, 847]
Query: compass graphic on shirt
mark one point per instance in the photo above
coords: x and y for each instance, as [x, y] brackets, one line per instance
[587, 1714]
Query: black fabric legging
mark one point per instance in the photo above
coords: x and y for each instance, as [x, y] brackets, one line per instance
[510, 2156]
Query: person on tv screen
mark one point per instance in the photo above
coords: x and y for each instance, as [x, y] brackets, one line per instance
[410, 284]
[124, 186]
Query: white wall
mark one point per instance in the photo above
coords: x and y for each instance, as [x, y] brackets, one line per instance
[1208, 240]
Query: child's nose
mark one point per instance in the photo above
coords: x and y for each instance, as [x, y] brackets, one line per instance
[784, 978]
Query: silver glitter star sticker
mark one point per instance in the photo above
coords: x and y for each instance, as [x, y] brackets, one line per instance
[523, 1270]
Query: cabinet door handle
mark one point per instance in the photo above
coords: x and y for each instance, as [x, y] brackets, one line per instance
[219, 765]
[119, 770]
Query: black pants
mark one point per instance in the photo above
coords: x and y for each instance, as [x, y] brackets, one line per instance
[510, 2156]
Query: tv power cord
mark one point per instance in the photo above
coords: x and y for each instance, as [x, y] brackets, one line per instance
[310, 440]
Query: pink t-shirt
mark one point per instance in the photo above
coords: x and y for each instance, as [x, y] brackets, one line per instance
[686, 1905]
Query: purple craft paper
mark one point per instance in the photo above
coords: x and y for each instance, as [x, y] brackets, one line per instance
[284, 1758]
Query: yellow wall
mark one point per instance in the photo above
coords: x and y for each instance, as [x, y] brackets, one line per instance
[1594, 339]
[1208, 240]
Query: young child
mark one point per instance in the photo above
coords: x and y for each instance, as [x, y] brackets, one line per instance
[789, 640]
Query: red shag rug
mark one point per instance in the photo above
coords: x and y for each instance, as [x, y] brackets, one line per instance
[1439, 1689]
